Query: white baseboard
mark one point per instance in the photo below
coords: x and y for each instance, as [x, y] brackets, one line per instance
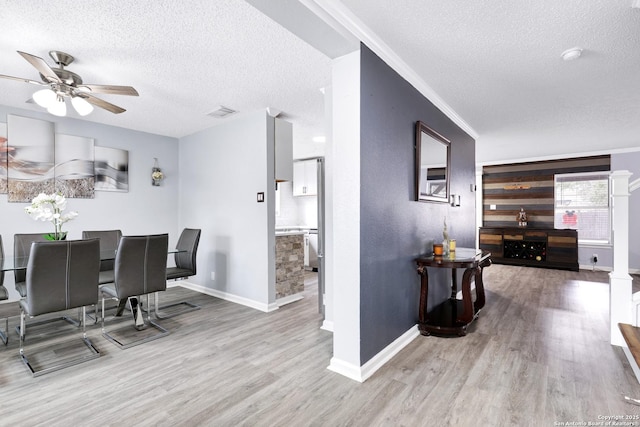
[345, 369]
[362, 373]
[597, 268]
[327, 325]
[288, 299]
[227, 296]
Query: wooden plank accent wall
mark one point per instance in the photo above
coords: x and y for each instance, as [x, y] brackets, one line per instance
[529, 186]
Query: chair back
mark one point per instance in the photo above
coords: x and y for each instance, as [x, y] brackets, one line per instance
[109, 240]
[62, 275]
[22, 248]
[1, 258]
[188, 241]
[3, 291]
[141, 265]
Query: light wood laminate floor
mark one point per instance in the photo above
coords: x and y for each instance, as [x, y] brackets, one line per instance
[539, 354]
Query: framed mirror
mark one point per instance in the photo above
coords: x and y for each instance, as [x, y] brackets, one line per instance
[433, 164]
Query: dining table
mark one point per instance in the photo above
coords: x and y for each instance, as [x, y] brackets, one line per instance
[11, 263]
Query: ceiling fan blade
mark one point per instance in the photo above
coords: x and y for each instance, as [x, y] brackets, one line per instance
[41, 66]
[101, 103]
[110, 89]
[20, 79]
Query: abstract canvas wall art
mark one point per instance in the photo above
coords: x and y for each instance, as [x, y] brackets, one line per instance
[74, 166]
[31, 160]
[4, 158]
[111, 169]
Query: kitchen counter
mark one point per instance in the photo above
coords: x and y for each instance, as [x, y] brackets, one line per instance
[289, 263]
[288, 232]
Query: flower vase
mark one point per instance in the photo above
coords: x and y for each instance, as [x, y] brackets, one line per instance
[60, 236]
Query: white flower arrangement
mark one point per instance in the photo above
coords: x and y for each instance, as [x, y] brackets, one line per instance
[49, 207]
[157, 175]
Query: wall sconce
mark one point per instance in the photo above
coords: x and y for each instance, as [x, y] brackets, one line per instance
[156, 174]
[454, 200]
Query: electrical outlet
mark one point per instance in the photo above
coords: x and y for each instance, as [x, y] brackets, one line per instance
[594, 258]
[213, 275]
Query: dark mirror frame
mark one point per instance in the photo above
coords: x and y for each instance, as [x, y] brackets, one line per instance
[420, 129]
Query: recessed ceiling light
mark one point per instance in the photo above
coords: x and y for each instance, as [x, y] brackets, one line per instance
[319, 139]
[571, 54]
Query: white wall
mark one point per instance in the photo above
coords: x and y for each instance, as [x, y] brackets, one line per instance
[631, 161]
[344, 244]
[145, 209]
[296, 210]
[221, 171]
[288, 205]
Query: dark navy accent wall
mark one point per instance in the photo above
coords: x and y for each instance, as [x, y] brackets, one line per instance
[395, 229]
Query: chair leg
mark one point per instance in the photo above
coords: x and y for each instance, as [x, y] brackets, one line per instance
[67, 319]
[187, 307]
[139, 324]
[36, 373]
[4, 335]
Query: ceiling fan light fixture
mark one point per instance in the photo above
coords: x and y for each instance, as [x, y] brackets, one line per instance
[44, 97]
[81, 105]
[58, 108]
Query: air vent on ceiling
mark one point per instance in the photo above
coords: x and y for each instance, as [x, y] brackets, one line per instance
[221, 112]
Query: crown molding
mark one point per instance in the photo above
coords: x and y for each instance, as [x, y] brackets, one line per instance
[334, 11]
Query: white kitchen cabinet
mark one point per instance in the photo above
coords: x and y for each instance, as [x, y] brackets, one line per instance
[283, 142]
[305, 178]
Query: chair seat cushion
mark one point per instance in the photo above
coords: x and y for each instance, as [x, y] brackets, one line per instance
[21, 287]
[4, 294]
[107, 276]
[178, 273]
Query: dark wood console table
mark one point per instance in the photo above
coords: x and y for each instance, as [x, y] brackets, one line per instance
[453, 315]
[535, 247]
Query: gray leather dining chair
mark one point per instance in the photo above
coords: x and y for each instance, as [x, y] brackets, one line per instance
[60, 275]
[109, 240]
[4, 295]
[140, 269]
[21, 249]
[185, 267]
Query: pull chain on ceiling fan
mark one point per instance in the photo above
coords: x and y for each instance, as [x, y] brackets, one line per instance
[61, 84]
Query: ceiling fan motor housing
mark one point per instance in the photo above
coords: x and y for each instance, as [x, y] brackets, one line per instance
[67, 77]
[61, 58]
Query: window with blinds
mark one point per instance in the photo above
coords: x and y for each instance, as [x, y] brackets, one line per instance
[582, 203]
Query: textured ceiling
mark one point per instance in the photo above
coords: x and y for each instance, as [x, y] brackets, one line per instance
[497, 64]
[184, 58]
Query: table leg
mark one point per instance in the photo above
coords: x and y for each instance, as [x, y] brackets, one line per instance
[454, 283]
[467, 312]
[424, 293]
[480, 299]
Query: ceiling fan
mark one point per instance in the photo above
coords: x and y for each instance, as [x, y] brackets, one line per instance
[61, 83]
